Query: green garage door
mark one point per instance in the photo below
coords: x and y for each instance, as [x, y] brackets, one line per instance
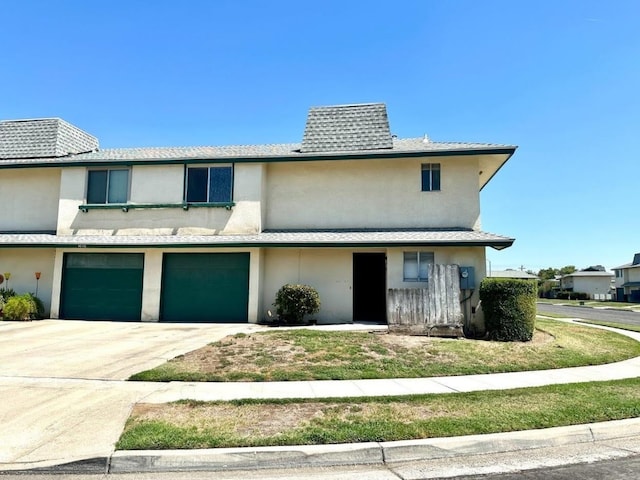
[102, 286]
[205, 287]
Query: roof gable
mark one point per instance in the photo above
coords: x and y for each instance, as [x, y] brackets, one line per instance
[43, 138]
[347, 128]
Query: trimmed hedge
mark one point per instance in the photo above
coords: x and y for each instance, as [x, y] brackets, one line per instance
[509, 308]
[572, 296]
[293, 302]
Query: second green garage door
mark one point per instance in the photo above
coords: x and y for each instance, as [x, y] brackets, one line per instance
[205, 287]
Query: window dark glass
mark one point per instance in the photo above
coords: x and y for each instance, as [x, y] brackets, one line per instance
[430, 177]
[197, 184]
[210, 184]
[108, 186]
[220, 182]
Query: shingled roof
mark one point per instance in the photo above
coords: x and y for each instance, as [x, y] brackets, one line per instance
[347, 128]
[43, 138]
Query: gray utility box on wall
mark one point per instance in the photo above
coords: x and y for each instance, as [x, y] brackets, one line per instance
[467, 278]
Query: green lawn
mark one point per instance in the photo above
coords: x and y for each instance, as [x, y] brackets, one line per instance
[620, 326]
[189, 424]
[324, 355]
[592, 303]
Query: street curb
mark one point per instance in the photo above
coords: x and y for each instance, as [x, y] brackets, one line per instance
[373, 453]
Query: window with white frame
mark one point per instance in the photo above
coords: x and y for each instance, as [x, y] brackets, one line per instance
[415, 266]
[209, 184]
[108, 186]
[430, 177]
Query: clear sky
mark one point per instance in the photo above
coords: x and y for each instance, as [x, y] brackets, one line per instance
[558, 78]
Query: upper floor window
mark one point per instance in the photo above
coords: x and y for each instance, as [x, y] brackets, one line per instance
[415, 268]
[209, 184]
[430, 177]
[108, 186]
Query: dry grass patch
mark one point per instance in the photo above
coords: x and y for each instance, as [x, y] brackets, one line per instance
[190, 424]
[323, 355]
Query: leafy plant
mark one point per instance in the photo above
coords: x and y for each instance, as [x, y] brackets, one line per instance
[19, 307]
[293, 302]
[572, 295]
[38, 311]
[509, 307]
[6, 293]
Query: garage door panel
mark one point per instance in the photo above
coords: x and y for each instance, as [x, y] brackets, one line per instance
[102, 286]
[205, 287]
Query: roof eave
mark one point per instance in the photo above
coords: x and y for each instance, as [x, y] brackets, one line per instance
[70, 161]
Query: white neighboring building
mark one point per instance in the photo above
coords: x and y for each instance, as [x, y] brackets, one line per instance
[510, 273]
[596, 284]
[209, 234]
[628, 281]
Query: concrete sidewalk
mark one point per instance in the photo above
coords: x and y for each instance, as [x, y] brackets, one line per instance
[45, 424]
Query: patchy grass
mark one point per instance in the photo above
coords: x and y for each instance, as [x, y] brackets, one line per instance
[324, 355]
[591, 303]
[620, 326]
[189, 424]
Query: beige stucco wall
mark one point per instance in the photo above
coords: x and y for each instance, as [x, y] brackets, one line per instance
[371, 193]
[22, 263]
[152, 279]
[29, 199]
[162, 184]
[330, 272]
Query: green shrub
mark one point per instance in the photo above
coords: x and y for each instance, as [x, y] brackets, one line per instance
[38, 312]
[293, 302]
[572, 296]
[6, 293]
[19, 307]
[509, 308]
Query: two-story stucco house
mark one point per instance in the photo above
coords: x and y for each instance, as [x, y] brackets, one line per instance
[628, 281]
[594, 281]
[209, 234]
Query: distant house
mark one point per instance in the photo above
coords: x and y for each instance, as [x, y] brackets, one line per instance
[628, 281]
[594, 281]
[509, 273]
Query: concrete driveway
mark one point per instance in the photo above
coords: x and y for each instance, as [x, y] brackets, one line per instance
[61, 382]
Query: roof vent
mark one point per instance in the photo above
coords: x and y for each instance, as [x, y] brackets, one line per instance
[345, 128]
[426, 138]
[43, 138]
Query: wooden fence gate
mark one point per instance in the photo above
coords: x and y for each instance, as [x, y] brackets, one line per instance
[434, 310]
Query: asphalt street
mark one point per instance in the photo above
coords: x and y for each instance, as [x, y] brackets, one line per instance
[596, 314]
[621, 469]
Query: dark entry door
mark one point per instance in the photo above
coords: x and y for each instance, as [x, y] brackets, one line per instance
[369, 287]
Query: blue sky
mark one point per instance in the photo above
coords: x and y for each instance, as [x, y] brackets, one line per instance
[560, 79]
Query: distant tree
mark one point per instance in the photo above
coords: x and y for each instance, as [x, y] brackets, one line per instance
[547, 273]
[567, 270]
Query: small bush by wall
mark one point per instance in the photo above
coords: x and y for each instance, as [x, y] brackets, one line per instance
[509, 307]
[19, 307]
[293, 302]
[572, 296]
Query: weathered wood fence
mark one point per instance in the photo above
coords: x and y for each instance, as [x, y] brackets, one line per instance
[434, 310]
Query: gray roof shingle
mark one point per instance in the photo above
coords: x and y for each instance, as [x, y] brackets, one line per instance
[43, 138]
[347, 128]
[251, 152]
[274, 238]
